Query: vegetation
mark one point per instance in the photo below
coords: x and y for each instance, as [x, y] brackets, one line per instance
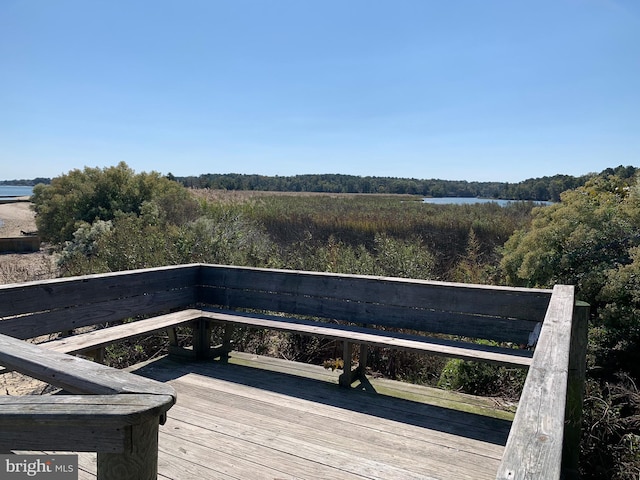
[592, 240]
[80, 198]
[534, 189]
[113, 219]
[538, 189]
[26, 182]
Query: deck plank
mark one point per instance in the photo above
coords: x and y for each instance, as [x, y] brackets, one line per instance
[398, 454]
[246, 420]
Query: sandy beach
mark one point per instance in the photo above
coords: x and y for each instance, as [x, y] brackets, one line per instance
[16, 217]
[20, 267]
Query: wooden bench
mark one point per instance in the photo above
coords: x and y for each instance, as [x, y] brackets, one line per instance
[378, 311]
[368, 337]
[357, 310]
[95, 340]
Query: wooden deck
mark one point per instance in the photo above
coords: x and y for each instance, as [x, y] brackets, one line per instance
[261, 418]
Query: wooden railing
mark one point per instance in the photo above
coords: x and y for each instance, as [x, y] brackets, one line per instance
[112, 412]
[123, 430]
[544, 438]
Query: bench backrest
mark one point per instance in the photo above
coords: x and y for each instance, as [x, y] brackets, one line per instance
[495, 313]
[39, 308]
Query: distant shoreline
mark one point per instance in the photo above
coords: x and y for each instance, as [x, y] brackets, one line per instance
[11, 199]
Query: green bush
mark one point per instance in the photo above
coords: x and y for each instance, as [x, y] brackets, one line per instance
[480, 378]
[84, 196]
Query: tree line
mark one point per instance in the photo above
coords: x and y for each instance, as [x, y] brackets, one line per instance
[546, 188]
[536, 189]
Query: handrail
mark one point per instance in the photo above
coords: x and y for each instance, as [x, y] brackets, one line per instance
[115, 414]
[535, 444]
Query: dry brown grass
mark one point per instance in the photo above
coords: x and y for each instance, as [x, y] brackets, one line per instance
[240, 196]
[25, 267]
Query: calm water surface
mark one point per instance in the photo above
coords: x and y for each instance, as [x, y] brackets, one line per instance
[471, 201]
[7, 191]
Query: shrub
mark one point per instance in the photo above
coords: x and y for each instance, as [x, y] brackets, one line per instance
[85, 196]
[480, 378]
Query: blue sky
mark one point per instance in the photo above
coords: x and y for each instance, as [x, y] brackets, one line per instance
[472, 90]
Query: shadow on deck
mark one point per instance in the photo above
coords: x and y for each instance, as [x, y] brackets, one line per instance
[258, 417]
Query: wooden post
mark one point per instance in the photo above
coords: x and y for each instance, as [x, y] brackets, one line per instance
[349, 375]
[227, 344]
[173, 337]
[98, 354]
[362, 360]
[202, 339]
[140, 462]
[345, 379]
[575, 391]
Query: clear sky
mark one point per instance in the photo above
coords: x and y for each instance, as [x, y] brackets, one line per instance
[482, 90]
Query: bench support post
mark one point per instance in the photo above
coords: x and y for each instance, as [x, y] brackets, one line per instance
[223, 350]
[349, 376]
[173, 337]
[202, 339]
[139, 462]
[98, 354]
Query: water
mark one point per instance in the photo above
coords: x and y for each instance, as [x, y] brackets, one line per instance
[472, 201]
[8, 191]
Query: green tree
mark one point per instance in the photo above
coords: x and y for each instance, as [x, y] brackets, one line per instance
[576, 241]
[591, 239]
[84, 196]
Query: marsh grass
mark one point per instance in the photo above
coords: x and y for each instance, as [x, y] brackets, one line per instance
[302, 223]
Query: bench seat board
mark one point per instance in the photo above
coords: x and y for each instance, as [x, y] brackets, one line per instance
[361, 335]
[105, 336]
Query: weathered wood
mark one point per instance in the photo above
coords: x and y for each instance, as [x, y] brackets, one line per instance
[122, 427]
[73, 374]
[350, 374]
[43, 323]
[464, 298]
[202, 339]
[140, 462]
[310, 429]
[76, 423]
[360, 335]
[496, 313]
[534, 446]
[46, 295]
[575, 392]
[29, 243]
[394, 316]
[106, 336]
